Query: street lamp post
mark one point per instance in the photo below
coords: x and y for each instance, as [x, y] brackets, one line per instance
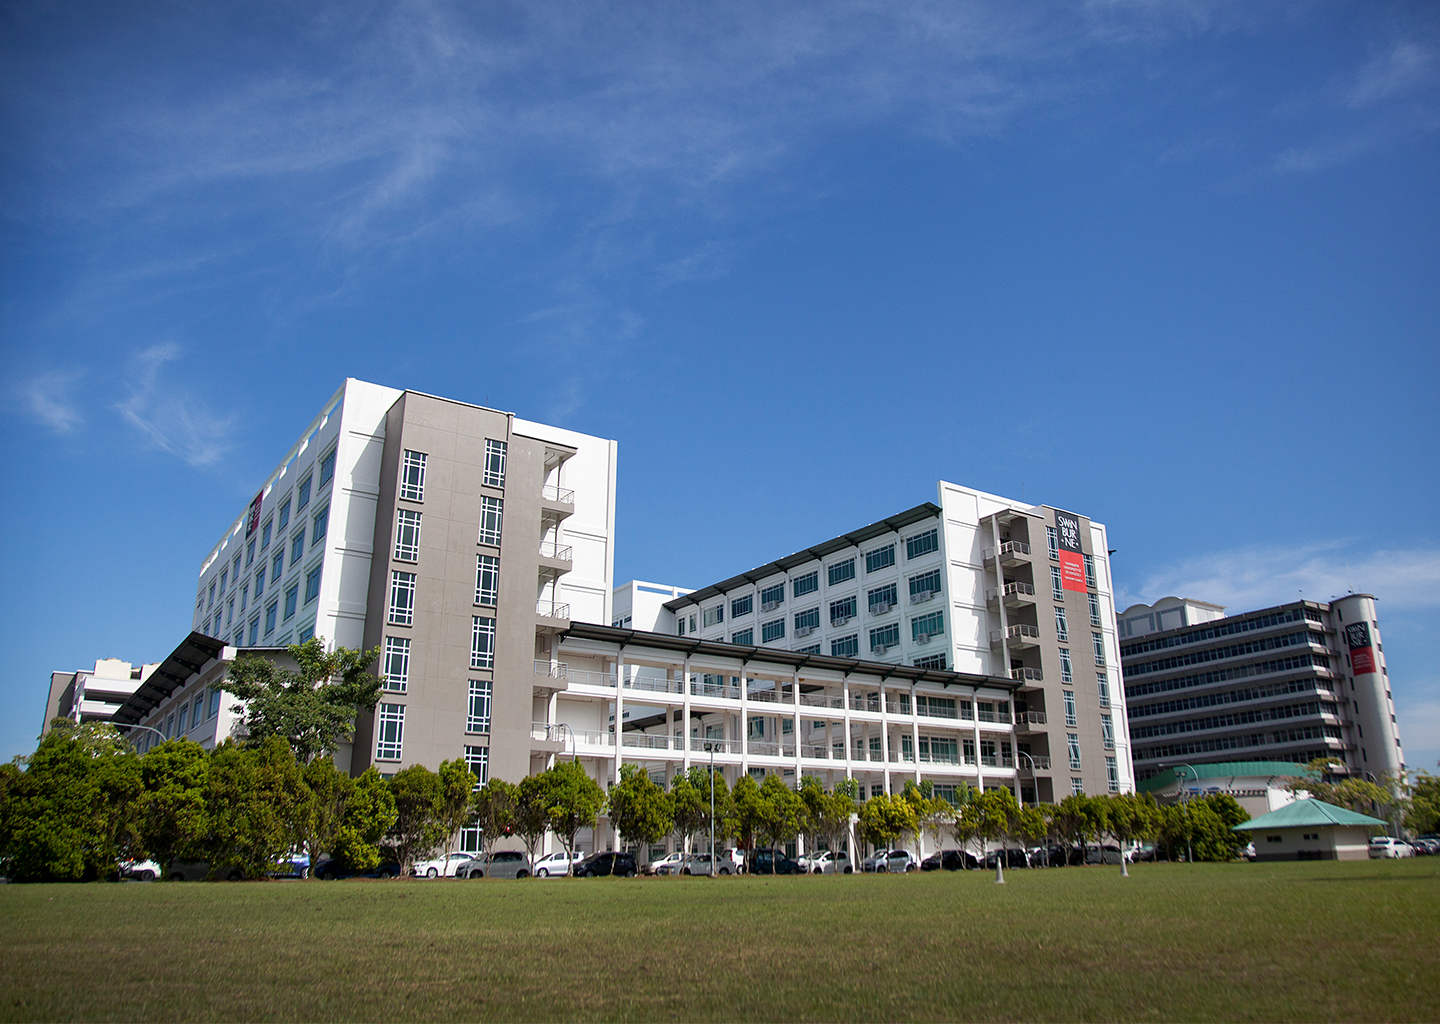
[574, 755]
[1189, 848]
[1033, 778]
[144, 728]
[710, 747]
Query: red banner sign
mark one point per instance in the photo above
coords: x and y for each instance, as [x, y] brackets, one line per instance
[252, 521]
[1072, 559]
[1362, 655]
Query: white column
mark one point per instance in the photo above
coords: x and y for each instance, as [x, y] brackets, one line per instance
[915, 731]
[795, 711]
[619, 729]
[685, 727]
[885, 735]
[744, 725]
[979, 761]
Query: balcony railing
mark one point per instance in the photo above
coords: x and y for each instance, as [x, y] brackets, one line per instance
[552, 610]
[1010, 549]
[556, 493]
[725, 691]
[647, 741]
[653, 684]
[994, 717]
[698, 744]
[862, 702]
[1011, 590]
[1026, 675]
[1030, 718]
[562, 553]
[816, 750]
[822, 700]
[1020, 633]
[996, 761]
[584, 677]
[558, 670]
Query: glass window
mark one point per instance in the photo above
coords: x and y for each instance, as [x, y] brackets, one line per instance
[880, 558]
[714, 615]
[1053, 540]
[482, 642]
[292, 594]
[745, 637]
[250, 553]
[1097, 640]
[1089, 571]
[807, 584]
[1074, 742]
[277, 566]
[259, 583]
[808, 620]
[297, 547]
[284, 520]
[397, 664]
[210, 602]
[885, 637]
[491, 511]
[487, 579]
[926, 585]
[327, 467]
[407, 535]
[270, 614]
[254, 631]
[931, 661]
[882, 599]
[494, 463]
[322, 523]
[224, 578]
[922, 544]
[402, 598]
[1107, 731]
[477, 718]
[841, 571]
[1062, 627]
[1077, 786]
[214, 703]
[922, 627]
[1067, 672]
[312, 584]
[1069, 707]
[770, 597]
[390, 732]
[412, 476]
[1057, 584]
[265, 534]
[1112, 773]
[742, 606]
[843, 610]
[1104, 690]
[1094, 609]
[772, 631]
[244, 597]
[302, 496]
[477, 759]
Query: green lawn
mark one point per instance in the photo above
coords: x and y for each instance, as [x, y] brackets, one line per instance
[1314, 941]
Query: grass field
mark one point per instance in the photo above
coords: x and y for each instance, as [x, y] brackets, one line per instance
[1313, 941]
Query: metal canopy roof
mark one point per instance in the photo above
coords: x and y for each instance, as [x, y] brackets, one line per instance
[791, 659]
[174, 672]
[890, 525]
[1307, 814]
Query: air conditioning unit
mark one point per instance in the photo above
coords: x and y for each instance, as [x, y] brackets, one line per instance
[922, 596]
[880, 609]
[840, 621]
[769, 606]
[803, 631]
[879, 648]
[923, 638]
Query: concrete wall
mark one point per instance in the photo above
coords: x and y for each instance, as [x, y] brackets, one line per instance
[1329, 842]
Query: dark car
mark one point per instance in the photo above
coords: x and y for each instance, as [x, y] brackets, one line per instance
[601, 864]
[1103, 855]
[949, 860]
[334, 869]
[1013, 858]
[768, 862]
[1061, 856]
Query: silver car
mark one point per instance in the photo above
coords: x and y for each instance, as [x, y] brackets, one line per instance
[500, 864]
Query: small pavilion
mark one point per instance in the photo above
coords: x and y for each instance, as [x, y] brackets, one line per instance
[1311, 830]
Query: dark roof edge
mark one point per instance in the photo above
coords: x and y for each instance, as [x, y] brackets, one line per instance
[172, 673]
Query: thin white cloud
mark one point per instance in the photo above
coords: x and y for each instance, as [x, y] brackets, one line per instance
[1262, 576]
[169, 415]
[48, 398]
[1403, 68]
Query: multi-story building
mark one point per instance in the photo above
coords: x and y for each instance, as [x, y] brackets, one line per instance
[1290, 683]
[976, 584]
[640, 605]
[458, 540]
[93, 695]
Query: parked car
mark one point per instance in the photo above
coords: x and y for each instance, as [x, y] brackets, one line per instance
[1389, 849]
[950, 860]
[772, 862]
[1144, 853]
[600, 864]
[500, 864]
[1061, 856]
[557, 865]
[666, 865]
[193, 871]
[440, 867]
[140, 870]
[727, 862]
[1013, 859]
[1103, 855]
[332, 869]
[890, 861]
[827, 862]
[297, 865]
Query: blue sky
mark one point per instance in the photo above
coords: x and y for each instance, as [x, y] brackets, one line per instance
[1171, 265]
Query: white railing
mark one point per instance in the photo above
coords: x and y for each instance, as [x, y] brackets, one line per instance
[1011, 590]
[556, 671]
[941, 712]
[726, 691]
[653, 684]
[822, 700]
[860, 702]
[815, 750]
[1010, 547]
[1021, 632]
[995, 717]
[938, 758]
[1026, 675]
[1030, 718]
[764, 748]
[698, 744]
[763, 696]
[556, 493]
[552, 610]
[647, 741]
[543, 732]
[583, 677]
[562, 553]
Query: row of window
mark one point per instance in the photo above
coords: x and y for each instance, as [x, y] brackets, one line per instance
[188, 714]
[880, 600]
[1239, 696]
[1256, 739]
[321, 522]
[390, 730]
[412, 470]
[1211, 632]
[1259, 668]
[1230, 651]
[1236, 718]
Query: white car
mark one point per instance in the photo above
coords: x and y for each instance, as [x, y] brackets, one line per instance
[826, 863]
[440, 867]
[140, 870]
[500, 864]
[554, 865]
[669, 864]
[1390, 849]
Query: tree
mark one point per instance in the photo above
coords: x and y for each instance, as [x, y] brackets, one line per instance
[419, 817]
[884, 818]
[1131, 818]
[1076, 819]
[781, 811]
[312, 707]
[1215, 815]
[493, 808]
[457, 783]
[690, 805]
[369, 814]
[931, 812]
[965, 824]
[744, 813]
[639, 809]
[326, 794]
[530, 817]
[1424, 814]
[1386, 797]
[575, 801]
[996, 816]
[171, 813]
[827, 815]
[254, 804]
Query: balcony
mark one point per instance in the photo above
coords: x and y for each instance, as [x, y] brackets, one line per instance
[1017, 637]
[1015, 595]
[1011, 553]
[1024, 718]
[559, 670]
[582, 677]
[555, 558]
[1026, 675]
[712, 744]
[557, 494]
[993, 717]
[822, 700]
[1042, 762]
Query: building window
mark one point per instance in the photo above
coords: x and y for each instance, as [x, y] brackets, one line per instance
[1107, 731]
[882, 599]
[321, 524]
[1069, 708]
[390, 732]
[811, 649]
[880, 558]
[885, 637]
[843, 611]
[265, 534]
[284, 518]
[397, 664]
[327, 467]
[714, 615]
[1062, 625]
[224, 578]
[270, 614]
[679, 625]
[1090, 571]
[487, 579]
[495, 463]
[923, 627]
[230, 610]
[922, 544]
[477, 759]
[1053, 540]
[477, 718]
[244, 597]
[1112, 772]
[297, 547]
[925, 586]
[277, 565]
[772, 631]
[210, 602]
[1077, 786]
[1094, 609]
[772, 597]
[302, 495]
[742, 606]
[407, 535]
[491, 510]
[841, 571]
[254, 631]
[482, 642]
[402, 598]
[807, 584]
[746, 637]
[1104, 690]
[214, 703]
[1074, 741]
[1057, 585]
[312, 584]
[292, 593]
[1067, 672]
[807, 622]
[1098, 641]
[412, 476]
[250, 553]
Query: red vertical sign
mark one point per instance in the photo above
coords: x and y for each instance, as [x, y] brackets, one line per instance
[1072, 558]
[1362, 655]
[252, 521]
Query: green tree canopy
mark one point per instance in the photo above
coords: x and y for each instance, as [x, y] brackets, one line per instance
[531, 816]
[493, 808]
[369, 814]
[744, 812]
[1424, 814]
[314, 706]
[884, 818]
[575, 801]
[255, 799]
[172, 813]
[640, 810]
[690, 807]
[419, 814]
[782, 813]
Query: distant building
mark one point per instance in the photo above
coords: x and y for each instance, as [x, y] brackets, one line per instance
[641, 605]
[1258, 786]
[1290, 683]
[93, 695]
[1311, 830]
